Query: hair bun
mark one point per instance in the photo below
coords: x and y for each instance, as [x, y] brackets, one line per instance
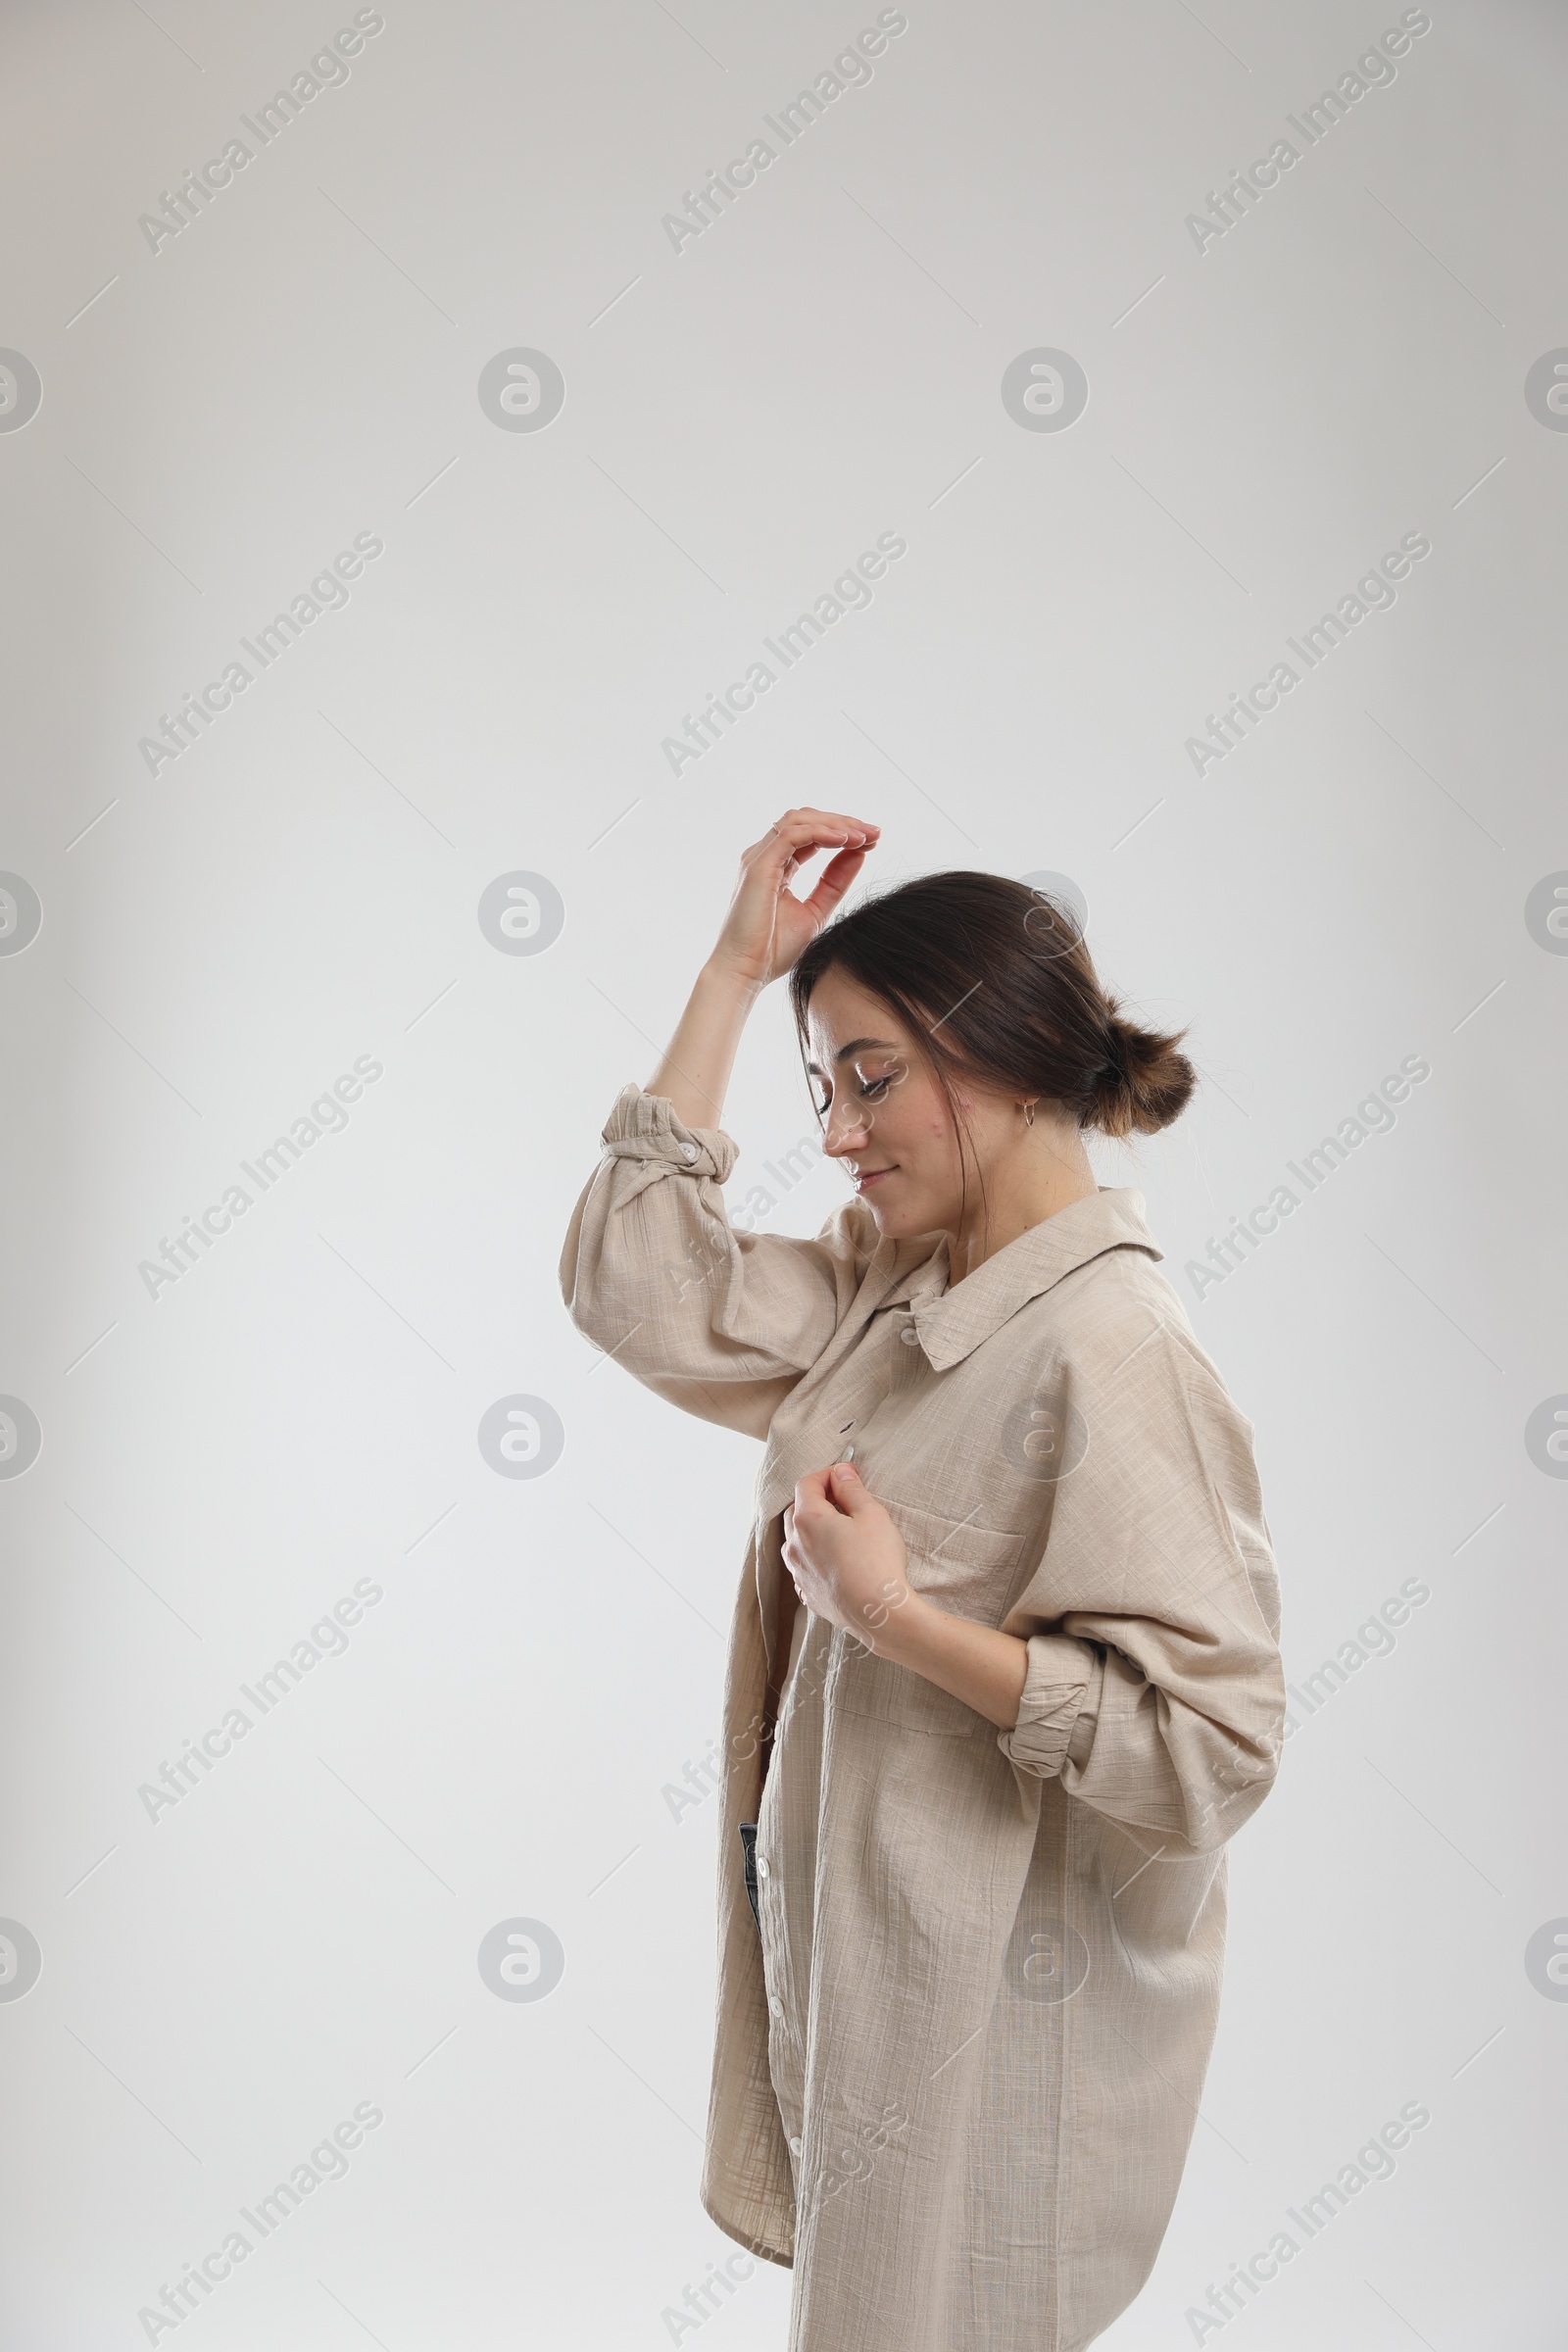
[1146, 1081]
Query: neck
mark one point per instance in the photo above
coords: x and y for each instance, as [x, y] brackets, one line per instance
[1047, 1170]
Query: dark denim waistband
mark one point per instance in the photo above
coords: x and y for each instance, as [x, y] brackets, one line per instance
[748, 1829]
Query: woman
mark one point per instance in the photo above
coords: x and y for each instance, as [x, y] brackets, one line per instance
[1004, 1674]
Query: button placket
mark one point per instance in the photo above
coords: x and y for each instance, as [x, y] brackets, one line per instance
[775, 2005]
[906, 1366]
[885, 1377]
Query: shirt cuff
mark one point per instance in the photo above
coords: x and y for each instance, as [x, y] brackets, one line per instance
[644, 1126]
[1060, 1705]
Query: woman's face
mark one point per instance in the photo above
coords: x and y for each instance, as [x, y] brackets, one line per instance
[886, 1117]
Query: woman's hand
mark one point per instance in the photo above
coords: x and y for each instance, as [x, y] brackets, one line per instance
[849, 1565]
[846, 1557]
[767, 926]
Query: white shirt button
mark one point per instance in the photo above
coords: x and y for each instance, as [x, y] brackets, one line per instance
[775, 2004]
[688, 1150]
[796, 2146]
[848, 1455]
[910, 1335]
[761, 1867]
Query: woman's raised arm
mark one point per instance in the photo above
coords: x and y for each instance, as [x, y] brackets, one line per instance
[720, 1322]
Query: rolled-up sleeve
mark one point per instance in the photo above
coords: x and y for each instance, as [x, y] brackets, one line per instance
[1060, 1705]
[1154, 1686]
[720, 1322]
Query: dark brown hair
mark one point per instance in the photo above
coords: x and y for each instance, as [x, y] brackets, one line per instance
[997, 981]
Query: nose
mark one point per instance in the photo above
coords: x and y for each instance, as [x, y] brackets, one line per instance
[848, 1127]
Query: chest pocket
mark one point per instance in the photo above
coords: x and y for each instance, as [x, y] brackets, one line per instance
[964, 1569]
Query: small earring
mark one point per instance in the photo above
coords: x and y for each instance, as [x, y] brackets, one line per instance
[1028, 1114]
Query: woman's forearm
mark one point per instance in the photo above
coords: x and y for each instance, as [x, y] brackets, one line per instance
[694, 1071]
[977, 1663]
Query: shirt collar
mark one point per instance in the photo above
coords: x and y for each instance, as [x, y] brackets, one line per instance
[952, 1323]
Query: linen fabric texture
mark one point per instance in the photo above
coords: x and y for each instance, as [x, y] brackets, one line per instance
[956, 2077]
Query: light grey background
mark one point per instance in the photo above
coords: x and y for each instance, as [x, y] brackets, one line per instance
[221, 939]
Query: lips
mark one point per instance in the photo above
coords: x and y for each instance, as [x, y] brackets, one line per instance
[866, 1177]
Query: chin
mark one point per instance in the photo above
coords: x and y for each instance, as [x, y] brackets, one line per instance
[910, 1211]
[895, 1222]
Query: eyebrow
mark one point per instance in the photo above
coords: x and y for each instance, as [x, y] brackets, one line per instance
[857, 1045]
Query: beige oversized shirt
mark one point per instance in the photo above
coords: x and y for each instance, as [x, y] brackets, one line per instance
[956, 2077]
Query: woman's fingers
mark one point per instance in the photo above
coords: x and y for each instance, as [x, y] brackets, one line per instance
[813, 1489]
[832, 820]
[832, 883]
[799, 832]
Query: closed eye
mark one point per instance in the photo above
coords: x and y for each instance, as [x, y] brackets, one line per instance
[872, 1091]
